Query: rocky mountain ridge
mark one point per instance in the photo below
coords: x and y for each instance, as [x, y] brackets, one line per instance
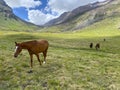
[67, 16]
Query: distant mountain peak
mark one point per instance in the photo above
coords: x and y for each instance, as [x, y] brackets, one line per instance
[66, 16]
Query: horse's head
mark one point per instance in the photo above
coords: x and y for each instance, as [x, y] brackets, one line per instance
[18, 49]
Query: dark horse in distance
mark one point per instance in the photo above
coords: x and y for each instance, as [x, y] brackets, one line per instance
[97, 46]
[91, 45]
[33, 47]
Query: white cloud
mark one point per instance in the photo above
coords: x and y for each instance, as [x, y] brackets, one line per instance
[38, 17]
[23, 3]
[54, 8]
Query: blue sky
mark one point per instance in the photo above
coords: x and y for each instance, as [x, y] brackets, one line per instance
[41, 11]
[23, 13]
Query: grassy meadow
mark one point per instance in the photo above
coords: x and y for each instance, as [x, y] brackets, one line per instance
[71, 64]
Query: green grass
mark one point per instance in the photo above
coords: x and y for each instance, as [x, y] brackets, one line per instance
[71, 64]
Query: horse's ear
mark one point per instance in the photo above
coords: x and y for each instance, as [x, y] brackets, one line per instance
[15, 43]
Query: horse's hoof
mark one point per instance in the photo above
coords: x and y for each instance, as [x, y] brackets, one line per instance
[44, 62]
[30, 71]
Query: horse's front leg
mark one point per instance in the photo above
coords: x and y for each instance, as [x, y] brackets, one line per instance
[31, 59]
[44, 54]
[38, 58]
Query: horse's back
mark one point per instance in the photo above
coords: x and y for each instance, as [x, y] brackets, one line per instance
[43, 42]
[42, 45]
[38, 42]
[37, 46]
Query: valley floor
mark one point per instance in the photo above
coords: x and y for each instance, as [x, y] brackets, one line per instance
[71, 64]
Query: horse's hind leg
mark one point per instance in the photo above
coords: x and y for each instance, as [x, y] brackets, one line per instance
[38, 58]
[45, 54]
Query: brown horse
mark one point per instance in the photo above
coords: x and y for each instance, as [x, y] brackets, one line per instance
[33, 47]
[97, 46]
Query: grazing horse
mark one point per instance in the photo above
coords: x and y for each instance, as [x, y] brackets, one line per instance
[33, 47]
[104, 39]
[97, 46]
[91, 45]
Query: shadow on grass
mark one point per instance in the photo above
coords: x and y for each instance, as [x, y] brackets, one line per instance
[20, 37]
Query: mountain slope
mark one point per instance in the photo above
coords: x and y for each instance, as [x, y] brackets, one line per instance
[8, 21]
[104, 10]
[78, 11]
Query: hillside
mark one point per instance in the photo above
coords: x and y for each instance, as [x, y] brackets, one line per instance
[8, 21]
[84, 17]
[67, 16]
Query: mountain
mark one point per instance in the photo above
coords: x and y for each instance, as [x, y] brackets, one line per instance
[87, 15]
[77, 19]
[9, 21]
[78, 11]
